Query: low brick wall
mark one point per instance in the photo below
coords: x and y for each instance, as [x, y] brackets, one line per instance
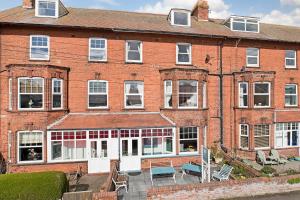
[177, 161]
[105, 196]
[226, 189]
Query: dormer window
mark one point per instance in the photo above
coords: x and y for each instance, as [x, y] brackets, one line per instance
[180, 17]
[46, 8]
[243, 24]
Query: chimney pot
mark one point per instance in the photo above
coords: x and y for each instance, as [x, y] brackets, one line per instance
[29, 4]
[201, 10]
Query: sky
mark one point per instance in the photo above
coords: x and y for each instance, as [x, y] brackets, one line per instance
[285, 12]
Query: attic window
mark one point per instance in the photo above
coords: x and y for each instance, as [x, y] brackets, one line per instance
[243, 24]
[181, 17]
[47, 8]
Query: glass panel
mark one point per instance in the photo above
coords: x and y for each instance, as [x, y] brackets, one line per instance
[94, 149]
[97, 100]
[261, 88]
[252, 52]
[157, 146]
[47, 8]
[146, 146]
[290, 89]
[135, 149]
[252, 60]
[181, 18]
[187, 86]
[31, 101]
[124, 147]
[188, 145]
[290, 54]
[57, 101]
[69, 150]
[168, 144]
[104, 149]
[39, 53]
[290, 100]
[237, 26]
[97, 54]
[80, 149]
[261, 100]
[56, 150]
[31, 154]
[252, 27]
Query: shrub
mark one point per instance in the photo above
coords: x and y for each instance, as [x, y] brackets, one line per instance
[29, 186]
[294, 181]
[268, 170]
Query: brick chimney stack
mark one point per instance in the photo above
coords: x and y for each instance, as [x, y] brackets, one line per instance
[29, 4]
[201, 10]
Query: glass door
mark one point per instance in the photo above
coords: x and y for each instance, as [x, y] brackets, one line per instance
[130, 154]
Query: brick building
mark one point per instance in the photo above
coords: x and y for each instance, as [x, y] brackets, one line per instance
[84, 87]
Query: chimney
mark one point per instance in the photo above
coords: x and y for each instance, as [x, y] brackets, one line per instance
[29, 4]
[201, 10]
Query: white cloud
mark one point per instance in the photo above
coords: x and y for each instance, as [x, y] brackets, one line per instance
[278, 17]
[218, 8]
[109, 2]
[290, 2]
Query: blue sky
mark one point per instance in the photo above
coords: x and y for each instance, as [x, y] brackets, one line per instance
[272, 11]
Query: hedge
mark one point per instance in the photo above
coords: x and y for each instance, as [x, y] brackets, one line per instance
[33, 186]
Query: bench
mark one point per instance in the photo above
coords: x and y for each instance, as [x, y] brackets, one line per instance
[191, 168]
[162, 170]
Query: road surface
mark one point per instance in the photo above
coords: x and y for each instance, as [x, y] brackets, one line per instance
[283, 196]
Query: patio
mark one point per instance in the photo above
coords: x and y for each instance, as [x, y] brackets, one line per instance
[289, 166]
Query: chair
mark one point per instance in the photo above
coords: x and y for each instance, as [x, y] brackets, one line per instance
[120, 184]
[223, 174]
[275, 156]
[263, 160]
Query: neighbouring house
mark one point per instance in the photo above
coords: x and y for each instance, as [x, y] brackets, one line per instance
[85, 87]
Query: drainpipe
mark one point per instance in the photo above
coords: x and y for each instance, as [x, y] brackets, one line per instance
[221, 76]
[119, 149]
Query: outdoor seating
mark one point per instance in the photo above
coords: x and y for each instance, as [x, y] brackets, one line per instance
[274, 155]
[191, 167]
[162, 169]
[263, 160]
[223, 174]
[120, 184]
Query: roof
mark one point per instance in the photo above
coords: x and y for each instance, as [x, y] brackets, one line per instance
[145, 22]
[89, 121]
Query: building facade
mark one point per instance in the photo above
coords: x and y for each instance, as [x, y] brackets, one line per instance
[85, 87]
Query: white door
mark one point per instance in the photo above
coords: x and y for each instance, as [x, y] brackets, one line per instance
[98, 161]
[130, 154]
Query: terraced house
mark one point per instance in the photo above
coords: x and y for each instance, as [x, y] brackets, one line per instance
[85, 87]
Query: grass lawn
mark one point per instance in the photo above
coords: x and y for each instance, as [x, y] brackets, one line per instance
[33, 186]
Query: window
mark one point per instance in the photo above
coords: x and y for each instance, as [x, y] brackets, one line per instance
[180, 18]
[204, 88]
[68, 146]
[252, 57]
[245, 25]
[134, 51]
[244, 136]
[243, 95]
[98, 94]
[188, 140]
[30, 146]
[47, 8]
[188, 94]
[291, 95]
[261, 136]
[262, 95]
[184, 54]
[98, 49]
[39, 47]
[157, 142]
[287, 135]
[168, 93]
[290, 59]
[31, 93]
[57, 93]
[10, 94]
[134, 94]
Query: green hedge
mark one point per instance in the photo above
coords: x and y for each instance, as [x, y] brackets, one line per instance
[33, 186]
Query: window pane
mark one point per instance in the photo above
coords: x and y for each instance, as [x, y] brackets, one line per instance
[97, 100]
[238, 26]
[39, 53]
[31, 146]
[261, 88]
[290, 54]
[184, 58]
[290, 100]
[134, 100]
[57, 101]
[94, 149]
[252, 52]
[80, 149]
[290, 62]
[56, 150]
[188, 139]
[188, 100]
[47, 8]
[69, 150]
[290, 89]
[252, 27]
[134, 45]
[157, 146]
[183, 48]
[97, 54]
[180, 18]
[146, 146]
[124, 147]
[188, 86]
[261, 100]
[134, 55]
[31, 101]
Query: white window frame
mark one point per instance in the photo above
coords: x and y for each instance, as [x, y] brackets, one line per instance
[98, 93]
[245, 21]
[56, 9]
[140, 51]
[262, 94]
[61, 93]
[105, 49]
[262, 148]
[10, 94]
[48, 47]
[291, 95]
[204, 93]
[240, 139]
[195, 107]
[295, 59]
[125, 94]
[258, 59]
[19, 94]
[188, 13]
[284, 132]
[18, 147]
[189, 153]
[166, 94]
[190, 54]
[241, 95]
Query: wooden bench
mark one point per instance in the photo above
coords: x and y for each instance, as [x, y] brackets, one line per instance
[162, 170]
[190, 167]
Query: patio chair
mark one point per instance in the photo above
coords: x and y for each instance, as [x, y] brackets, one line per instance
[276, 157]
[120, 184]
[263, 160]
[223, 174]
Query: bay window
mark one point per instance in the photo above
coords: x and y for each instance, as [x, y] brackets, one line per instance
[252, 57]
[97, 94]
[184, 53]
[39, 47]
[188, 94]
[31, 93]
[188, 140]
[134, 51]
[290, 59]
[98, 49]
[134, 94]
[261, 136]
[30, 146]
[287, 135]
[168, 93]
[291, 95]
[262, 95]
[243, 95]
[244, 136]
[57, 93]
